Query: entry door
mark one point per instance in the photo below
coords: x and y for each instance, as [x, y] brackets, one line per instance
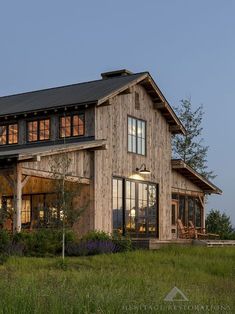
[174, 216]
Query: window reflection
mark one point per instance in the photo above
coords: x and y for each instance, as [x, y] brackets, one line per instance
[136, 136]
[190, 209]
[9, 134]
[39, 130]
[117, 205]
[72, 125]
[140, 207]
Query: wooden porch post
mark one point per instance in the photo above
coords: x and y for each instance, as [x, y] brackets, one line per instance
[18, 193]
[203, 213]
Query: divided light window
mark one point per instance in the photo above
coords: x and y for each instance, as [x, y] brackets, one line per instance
[136, 136]
[72, 125]
[9, 134]
[38, 130]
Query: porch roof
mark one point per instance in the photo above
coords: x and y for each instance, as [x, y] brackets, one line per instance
[34, 153]
[195, 177]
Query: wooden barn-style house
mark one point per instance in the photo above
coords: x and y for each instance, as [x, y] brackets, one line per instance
[117, 133]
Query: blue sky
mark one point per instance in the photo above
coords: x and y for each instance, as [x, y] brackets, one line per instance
[188, 47]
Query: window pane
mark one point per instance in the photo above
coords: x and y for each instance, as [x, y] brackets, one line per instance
[139, 128]
[26, 210]
[198, 214]
[65, 126]
[139, 145]
[173, 222]
[143, 146]
[143, 129]
[78, 125]
[152, 200]
[191, 210]
[33, 131]
[136, 136]
[13, 134]
[133, 144]
[3, 135]
[129, 125]
[117, 206]
[182, 209]
[44, 130]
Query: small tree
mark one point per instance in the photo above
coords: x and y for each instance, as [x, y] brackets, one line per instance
[190, 147]
[219, 223]
[67, 214]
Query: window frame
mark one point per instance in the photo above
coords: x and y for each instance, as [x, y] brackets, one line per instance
[71, 115]
[7, 125]
[124, 205]
[186, 215]
[136, 136]
[38, 130]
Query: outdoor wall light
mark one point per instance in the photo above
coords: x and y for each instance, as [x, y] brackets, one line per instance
[143, 169]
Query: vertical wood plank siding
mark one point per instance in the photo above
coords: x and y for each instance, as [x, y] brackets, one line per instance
[111, 124]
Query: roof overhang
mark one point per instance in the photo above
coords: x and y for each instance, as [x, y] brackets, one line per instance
[192, 175]
[159, 101]
[35, 153]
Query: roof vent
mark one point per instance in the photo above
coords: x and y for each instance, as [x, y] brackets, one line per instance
[117, 73]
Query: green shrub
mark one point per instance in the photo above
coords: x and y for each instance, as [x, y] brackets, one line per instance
[123, 244]
[97, 235]
[4, 241]
[3, 258]
[43, 242]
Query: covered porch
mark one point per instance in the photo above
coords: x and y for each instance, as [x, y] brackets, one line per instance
[28, 193]
[189, 190]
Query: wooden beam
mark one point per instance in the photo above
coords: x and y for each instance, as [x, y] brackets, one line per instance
[126, 91]
[9, 180]
[106, 103]
[53, 176]
[18, 197]
[25, 180]
[159, 105]
[174, 128]
[103, 147]
[201, 201]
[67, 148]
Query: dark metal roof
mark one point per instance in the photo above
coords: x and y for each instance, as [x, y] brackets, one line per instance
[81, 93]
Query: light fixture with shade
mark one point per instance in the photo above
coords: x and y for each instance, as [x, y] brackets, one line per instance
[143, 169]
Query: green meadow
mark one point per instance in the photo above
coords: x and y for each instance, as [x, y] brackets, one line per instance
[131, 282]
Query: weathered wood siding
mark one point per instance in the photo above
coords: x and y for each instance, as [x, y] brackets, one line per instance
[80, 163]
[181, 184]
[111, 124]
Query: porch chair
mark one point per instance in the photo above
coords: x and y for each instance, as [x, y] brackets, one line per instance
[184, 232]
[200, 233]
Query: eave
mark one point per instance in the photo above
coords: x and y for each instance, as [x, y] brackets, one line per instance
[159, 101]
[189, 173]
[35, 153]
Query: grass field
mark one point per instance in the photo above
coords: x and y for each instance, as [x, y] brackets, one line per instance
[133, 282]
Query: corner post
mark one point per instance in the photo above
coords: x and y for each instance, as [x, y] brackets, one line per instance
[18, 194]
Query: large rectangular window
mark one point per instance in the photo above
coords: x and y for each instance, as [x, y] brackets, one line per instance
[136, 136]
[38, 130]
[135, 207]
[9, 134]
[72, 125]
